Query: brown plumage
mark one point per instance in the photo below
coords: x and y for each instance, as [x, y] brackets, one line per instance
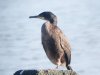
[54, 42]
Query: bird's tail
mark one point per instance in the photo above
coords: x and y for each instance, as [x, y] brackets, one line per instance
[69, 67]
[68, 60]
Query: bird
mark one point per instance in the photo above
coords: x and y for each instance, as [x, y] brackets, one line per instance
[54, 41]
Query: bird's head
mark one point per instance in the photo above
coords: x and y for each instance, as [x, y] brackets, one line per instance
[49, 16]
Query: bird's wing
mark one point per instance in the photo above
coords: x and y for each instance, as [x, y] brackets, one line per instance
[62, 42]
[66, 47]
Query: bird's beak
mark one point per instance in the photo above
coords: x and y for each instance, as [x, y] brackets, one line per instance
[33, 16]
[37, 17]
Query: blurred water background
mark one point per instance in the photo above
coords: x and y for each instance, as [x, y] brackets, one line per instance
[20, 41]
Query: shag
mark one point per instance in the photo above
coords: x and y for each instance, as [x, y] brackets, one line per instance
[54, 42]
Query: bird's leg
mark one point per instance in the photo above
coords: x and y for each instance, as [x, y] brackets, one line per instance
[58, 63]
[57, 66]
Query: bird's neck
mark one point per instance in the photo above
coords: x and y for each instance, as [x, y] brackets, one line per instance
[53, 21]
